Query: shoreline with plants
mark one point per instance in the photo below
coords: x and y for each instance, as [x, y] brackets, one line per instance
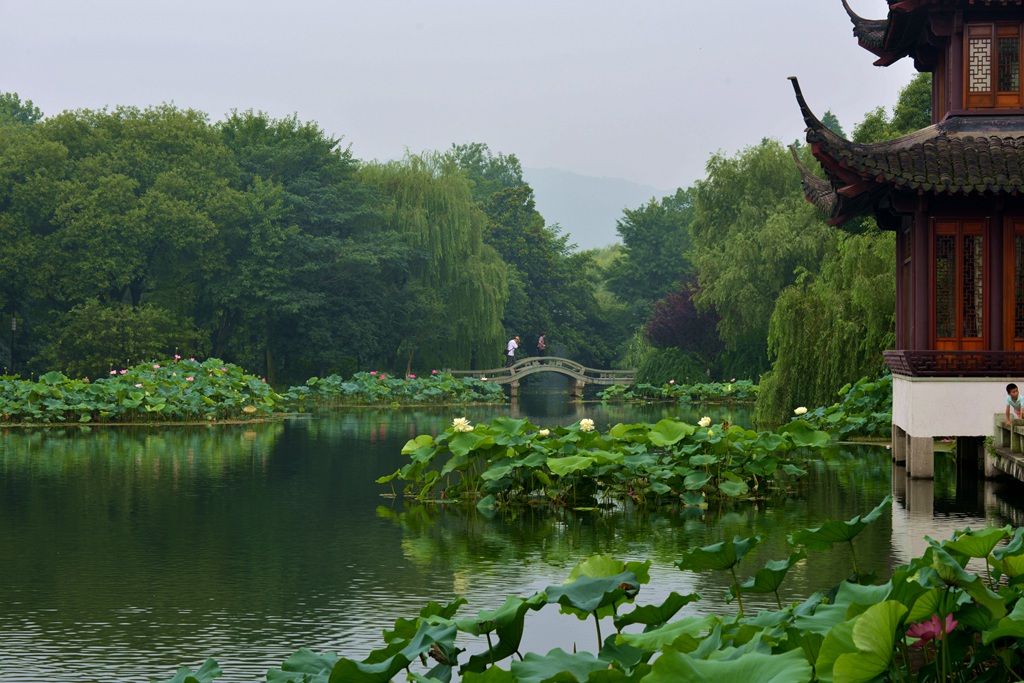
[187, 391]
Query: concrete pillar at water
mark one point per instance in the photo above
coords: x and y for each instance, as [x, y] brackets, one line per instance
[990, 471]
[921, 497]
[899, 481]
[899, 444]
[920, 457]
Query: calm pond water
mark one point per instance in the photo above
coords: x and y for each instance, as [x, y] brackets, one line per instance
[126, 552]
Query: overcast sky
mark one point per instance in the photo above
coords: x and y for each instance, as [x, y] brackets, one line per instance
[640, 90]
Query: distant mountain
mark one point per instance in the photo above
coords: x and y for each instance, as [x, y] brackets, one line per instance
[586, 207]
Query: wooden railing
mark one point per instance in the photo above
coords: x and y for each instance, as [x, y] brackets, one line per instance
[563, 366]
[956, 363]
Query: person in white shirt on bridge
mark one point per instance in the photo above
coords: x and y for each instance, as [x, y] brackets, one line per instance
[510, 351]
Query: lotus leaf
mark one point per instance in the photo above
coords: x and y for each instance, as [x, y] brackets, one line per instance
[204, 674]
[506, 622]
[464, 442]
[789, 667]
[977, 543]
[569, 464]
[822, 538]
[383, 665]
[304, 666]
[556, 666]
[597, 566]
[491, 675]
[718, 556]
[655, 615]
[636, 432]
[804, 435]
[733, 489]
[1010, 626]
[668, 432]
[861, 649]
[495, 472]
[1009, 559]
[413, 445]
[694, 499]
[586, 595]
[770, 577]
[688, 629]
[696, 480]
[953, 574]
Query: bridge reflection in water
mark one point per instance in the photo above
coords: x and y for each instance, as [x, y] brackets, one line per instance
[579, 375]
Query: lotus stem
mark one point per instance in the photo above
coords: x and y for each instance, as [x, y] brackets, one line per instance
[777, 598]
[597, 622]
[854, 554]
[490, 648]
[736, 586]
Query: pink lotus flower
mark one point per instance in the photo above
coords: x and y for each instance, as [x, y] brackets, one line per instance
[264, 379]
[671, 381]
[113, 372]
[138, 386]
[192, 359]
[223, 369]
[733, 379]
[412, 376]
[123, 372]
[931, 629]
[155, 366]
[189, 379]
[177, 357]
[373, 372]
[433, 372]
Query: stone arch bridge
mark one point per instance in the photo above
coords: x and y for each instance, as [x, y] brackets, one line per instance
[577, 373]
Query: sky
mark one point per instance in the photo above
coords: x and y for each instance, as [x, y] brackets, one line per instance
[644, 91]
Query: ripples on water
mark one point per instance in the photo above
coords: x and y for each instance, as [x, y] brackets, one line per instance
[128, 553]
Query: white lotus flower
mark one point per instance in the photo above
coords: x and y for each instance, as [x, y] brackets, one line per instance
[543, 432]
[704, 421]
[461, 424]
[586, 425]
[800, 411]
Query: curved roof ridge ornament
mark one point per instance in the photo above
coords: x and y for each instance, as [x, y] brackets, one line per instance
[817, 191]
[815, 128]
[870, 33]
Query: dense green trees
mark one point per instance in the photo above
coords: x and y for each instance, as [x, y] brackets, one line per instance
[137, 232]
[455, 286]
[753, 234]
[802, 305]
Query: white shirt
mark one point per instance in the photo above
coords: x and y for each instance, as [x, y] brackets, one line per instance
[512, 346]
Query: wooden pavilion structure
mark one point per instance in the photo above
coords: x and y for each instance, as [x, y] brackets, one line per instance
[952, 195]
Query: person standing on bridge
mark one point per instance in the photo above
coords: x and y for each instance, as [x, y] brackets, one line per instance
[541, 344]
[510, 351]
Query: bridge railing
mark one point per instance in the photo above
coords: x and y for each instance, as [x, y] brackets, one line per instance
[565, 366]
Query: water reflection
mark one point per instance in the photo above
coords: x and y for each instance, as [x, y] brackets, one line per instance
[130, 552]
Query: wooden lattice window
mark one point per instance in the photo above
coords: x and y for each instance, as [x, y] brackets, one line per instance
[992, 66]
[958, 285]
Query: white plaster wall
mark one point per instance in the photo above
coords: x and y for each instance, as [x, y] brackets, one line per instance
[947, 406]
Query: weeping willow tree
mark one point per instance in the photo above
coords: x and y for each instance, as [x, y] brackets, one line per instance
[458, 286]
[831, 328]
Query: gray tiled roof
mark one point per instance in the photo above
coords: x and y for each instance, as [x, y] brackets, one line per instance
[961, 155]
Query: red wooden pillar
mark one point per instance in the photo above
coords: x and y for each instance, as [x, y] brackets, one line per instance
[920, 267]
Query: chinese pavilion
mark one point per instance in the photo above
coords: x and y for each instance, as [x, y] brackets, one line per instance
[952, 195]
